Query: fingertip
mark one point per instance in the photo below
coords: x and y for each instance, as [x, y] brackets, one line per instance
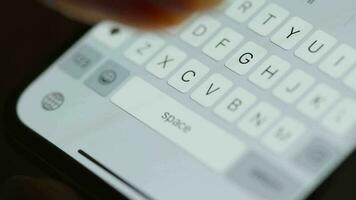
[201, 4]
[146, 16]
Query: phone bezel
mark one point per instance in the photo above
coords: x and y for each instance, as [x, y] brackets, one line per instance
[38, 150]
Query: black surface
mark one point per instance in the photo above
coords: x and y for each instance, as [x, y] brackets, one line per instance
[30, 35]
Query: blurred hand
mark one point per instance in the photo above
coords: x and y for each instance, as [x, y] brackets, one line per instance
[142, 13]
[27, 188]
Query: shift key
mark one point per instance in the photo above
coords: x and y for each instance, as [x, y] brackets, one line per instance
[205, 141]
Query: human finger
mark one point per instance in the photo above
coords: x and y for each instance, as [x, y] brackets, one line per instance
[142, 13]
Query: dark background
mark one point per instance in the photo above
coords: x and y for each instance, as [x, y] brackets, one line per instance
[30, 34]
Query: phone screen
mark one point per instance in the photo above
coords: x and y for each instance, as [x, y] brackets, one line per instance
[253, 100]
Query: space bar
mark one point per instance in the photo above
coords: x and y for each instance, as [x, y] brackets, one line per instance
[206, 142]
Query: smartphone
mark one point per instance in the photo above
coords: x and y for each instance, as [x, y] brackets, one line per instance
[253, 100]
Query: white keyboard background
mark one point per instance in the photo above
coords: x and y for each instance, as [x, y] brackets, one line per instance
[211, 52]
[284, 92]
